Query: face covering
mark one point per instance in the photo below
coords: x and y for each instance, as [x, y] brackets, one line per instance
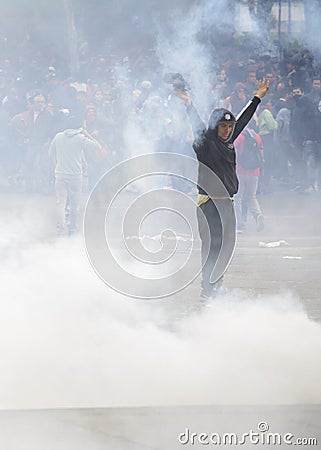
[296, 97]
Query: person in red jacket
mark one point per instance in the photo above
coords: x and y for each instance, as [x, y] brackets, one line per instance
[248, 180]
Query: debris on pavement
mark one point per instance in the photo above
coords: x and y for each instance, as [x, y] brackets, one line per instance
[273, 244]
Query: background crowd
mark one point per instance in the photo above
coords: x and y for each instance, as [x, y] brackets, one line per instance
[124, 103]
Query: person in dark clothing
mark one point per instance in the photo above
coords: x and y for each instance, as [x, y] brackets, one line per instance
[214, 149]
[31, 131]
[303, 131]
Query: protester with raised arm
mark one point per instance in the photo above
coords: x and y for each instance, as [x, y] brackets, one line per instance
[214, 148]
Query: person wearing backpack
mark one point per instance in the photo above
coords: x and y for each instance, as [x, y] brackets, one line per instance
[249, 163]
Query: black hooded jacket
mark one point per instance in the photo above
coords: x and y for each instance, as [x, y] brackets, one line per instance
[219, 156]
[303, 122]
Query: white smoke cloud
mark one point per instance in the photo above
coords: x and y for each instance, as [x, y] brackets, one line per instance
[182, 51]
[69, 341]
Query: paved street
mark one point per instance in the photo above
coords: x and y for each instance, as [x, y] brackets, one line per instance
[159, 428]
[292, 221]
[293, 218]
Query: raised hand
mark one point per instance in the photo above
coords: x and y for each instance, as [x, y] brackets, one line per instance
[262, 86]
[183, 95]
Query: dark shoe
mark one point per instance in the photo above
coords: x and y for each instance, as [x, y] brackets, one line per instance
[212, 290]
[217, 293]
[259, 223]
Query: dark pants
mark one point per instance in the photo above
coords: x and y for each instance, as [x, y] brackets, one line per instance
[297, 163]
[312, 158]
[211, 234]
[269, 161]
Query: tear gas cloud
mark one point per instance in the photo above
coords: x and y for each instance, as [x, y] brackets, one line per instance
[69, 341]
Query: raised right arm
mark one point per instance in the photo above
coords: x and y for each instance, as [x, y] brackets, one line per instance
[198, 126]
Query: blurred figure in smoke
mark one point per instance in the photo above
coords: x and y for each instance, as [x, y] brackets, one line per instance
[317, 183]
[282, 135]
[281, 93]
[218, 88]
[248, 169]
[303, 133]
[250, 83]
[272, 79]
[214, 148]
[178, 139]
[145, 88]
[267, 126]
[312, 141]
[315, 94]
[237, 99]
[98, 100]
[96, 128]
[299, 76]
[67, 152]
[31, 132]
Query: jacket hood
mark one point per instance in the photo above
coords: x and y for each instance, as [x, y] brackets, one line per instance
[220, 115]
[70, 132]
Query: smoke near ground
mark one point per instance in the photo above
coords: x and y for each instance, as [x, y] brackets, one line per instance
[69, 341]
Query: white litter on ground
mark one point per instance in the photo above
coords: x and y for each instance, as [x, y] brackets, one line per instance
[273, 244]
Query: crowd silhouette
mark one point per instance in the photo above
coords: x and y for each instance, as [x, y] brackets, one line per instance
[117, 96]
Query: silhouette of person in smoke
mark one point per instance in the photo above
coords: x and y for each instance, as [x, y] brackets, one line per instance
[68, 151]
[214, 148]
